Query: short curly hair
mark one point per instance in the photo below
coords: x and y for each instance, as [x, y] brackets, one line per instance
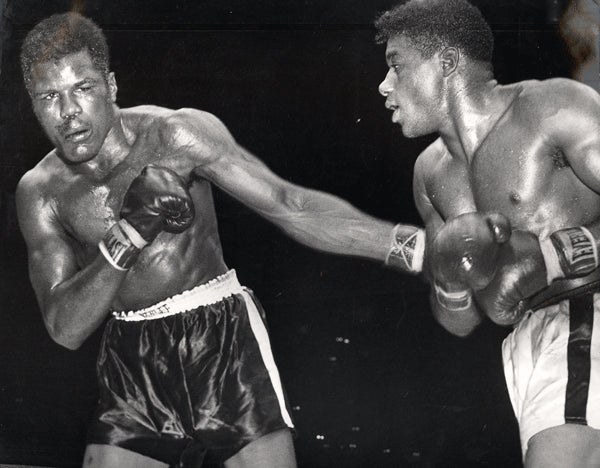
[434, 24]
[60, 35]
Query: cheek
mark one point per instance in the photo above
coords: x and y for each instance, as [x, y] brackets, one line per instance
[47, 122]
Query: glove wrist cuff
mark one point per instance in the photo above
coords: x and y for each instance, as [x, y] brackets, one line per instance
[551, 260]
[407, 251]
[122, 245]
[134, 236]
[570, 253]
[453, 300]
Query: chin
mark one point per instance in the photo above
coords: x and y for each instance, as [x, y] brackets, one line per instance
[415, 131]
[77, 157]
[408, 132]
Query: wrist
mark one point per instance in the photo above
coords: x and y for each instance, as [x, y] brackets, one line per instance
[122, 245]
[407, 250]
[452, 298]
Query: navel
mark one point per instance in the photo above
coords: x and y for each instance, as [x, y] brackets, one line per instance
[515, 198]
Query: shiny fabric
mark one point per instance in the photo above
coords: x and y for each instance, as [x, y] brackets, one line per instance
[552, 366]
[174, 387]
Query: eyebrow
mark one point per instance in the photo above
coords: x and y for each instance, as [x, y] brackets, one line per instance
[86, 81]
[76, 85]
[391, 55]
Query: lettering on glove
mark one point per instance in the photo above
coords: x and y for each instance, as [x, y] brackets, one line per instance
[569, 253]
[122, 245]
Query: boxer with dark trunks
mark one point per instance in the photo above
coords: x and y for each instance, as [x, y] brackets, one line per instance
[530, 151]
[119, 219]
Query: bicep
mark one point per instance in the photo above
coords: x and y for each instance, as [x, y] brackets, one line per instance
[50, 257]
[221, 160]
[250, 181]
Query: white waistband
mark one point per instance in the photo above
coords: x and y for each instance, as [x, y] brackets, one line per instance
[205, 294]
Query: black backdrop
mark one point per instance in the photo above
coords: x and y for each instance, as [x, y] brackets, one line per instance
[373, 381]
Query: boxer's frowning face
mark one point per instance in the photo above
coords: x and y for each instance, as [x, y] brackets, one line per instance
[73, 101]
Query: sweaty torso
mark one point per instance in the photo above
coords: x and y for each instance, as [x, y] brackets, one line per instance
[86, 209]
[519, 170]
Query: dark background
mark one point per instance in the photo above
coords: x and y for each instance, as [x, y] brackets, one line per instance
[372, 380]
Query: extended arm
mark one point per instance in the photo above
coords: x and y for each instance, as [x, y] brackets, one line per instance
[313, 218]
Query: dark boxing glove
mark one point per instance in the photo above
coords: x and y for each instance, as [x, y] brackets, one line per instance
[527, 265]
[464, 254]
[157, 200]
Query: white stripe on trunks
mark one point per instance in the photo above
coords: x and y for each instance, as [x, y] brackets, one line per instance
[264, 344]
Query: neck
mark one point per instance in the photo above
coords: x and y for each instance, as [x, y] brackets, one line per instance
[474, 108]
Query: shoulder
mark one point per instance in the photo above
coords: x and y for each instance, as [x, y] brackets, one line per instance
[43, 178]
[37, 189]
[181, 129]
[430, 159]
[171, 123]
[547, 98]
[564, 110]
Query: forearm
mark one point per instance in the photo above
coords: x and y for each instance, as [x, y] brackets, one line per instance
[75, 308]
[339, 232]
[325, 222]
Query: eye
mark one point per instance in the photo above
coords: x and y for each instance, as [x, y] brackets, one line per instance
[84, 88]
[49, 96]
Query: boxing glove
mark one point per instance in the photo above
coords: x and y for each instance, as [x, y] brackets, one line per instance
[465, 249]
[521, 272]
[463, 256]
[527, 265]
[157, 200]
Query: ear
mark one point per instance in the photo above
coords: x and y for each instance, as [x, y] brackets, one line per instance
[112, 87]
[449, 58]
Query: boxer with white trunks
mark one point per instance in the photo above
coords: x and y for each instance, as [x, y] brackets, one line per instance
[530, 151]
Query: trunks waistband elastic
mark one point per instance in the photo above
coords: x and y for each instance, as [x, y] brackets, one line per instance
[565, 289]
[205, 294]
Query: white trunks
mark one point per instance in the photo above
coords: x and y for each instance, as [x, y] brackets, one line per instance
[552, 366]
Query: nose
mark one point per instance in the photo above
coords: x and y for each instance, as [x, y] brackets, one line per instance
[386, 86]
[69, 107]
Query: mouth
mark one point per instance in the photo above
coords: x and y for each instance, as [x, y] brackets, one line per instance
[395, 111]
[77, 135]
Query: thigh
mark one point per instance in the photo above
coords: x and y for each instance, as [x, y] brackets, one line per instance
[110, 456]
[273, 450]
[569, 445]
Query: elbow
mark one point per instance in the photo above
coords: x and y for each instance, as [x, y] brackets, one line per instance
[65, 340]
[288, 209]
[63, 337]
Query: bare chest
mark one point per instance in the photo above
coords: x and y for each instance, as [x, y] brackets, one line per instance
[522, 175]
[87, 208]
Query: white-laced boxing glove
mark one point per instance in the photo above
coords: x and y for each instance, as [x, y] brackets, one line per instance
[157, 200]
[407, 249]
[464, 255]
[527, 265]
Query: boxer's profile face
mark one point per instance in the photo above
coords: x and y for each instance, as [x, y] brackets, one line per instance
[412, 87]
[73, 101]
